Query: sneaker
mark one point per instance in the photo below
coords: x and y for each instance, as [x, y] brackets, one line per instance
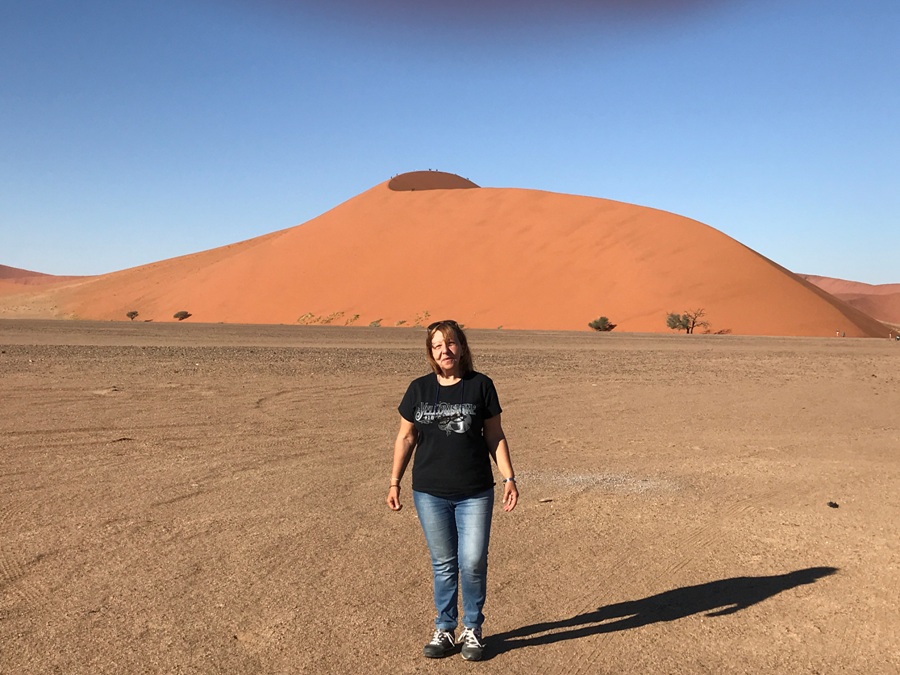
[442, 643]
[472, 646]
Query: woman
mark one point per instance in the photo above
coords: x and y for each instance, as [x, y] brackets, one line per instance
[451, 418]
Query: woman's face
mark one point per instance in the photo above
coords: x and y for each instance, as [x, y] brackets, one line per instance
[446, 351]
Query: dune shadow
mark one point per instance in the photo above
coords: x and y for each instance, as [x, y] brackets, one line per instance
[715, 598]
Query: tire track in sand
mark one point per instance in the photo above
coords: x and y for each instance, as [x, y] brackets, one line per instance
[17, 585]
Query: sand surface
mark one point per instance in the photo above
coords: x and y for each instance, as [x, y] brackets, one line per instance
[521, 259]
[210, 498]
[880, 301]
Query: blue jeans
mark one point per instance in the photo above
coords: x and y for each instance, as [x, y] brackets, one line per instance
[457, 530]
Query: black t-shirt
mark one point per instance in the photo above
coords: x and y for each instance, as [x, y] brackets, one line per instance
[452, 457]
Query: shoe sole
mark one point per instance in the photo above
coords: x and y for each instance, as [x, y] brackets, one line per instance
[438, 656]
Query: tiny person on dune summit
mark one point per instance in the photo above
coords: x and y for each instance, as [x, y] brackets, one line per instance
[450, 418]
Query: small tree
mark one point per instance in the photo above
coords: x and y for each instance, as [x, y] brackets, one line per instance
[602, 325]
[132, 314]
[182, 315]
[675, 321]
[687, 321]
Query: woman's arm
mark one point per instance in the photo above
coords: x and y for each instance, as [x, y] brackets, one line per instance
[403, 448]
[499, 449]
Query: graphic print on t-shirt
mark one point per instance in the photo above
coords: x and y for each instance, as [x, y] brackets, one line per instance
[450, 417]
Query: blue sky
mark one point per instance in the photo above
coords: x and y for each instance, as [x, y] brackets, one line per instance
[134, 131]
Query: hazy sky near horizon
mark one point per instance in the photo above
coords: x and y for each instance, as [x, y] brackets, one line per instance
[134, 131]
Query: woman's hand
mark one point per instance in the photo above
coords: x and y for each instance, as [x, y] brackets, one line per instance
[499, 449]
[510, 495]
[404, 445]
[393, 498]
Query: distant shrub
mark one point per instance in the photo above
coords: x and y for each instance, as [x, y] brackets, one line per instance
[182, 315]
[351, 320]
[400, 322]
[676, 321]
[132, 314]
[602, 325]
[375, 324]
[688, 321]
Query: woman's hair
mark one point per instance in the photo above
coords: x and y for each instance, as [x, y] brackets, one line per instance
[449, 328]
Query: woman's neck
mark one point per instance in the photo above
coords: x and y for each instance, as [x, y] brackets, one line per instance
[449, 377]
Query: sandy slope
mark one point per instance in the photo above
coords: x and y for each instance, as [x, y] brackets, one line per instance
[14, 275]
[486, 256]
[183, 498]
[881, 301]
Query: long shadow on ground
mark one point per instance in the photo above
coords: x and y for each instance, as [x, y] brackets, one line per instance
[716, 598]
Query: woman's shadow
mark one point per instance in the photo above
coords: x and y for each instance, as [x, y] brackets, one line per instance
[715, 598]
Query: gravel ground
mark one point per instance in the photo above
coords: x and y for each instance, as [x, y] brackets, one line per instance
[188, 498]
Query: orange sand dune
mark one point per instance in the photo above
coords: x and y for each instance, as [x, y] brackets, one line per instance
[881, 301]
[27, 294]
[14, 275]
[7, 272]
[488, 257]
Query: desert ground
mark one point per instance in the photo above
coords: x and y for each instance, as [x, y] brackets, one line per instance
[202, 498]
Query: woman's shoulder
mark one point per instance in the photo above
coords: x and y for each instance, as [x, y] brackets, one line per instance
[427, 379]
[480, 378]
[419, 388]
